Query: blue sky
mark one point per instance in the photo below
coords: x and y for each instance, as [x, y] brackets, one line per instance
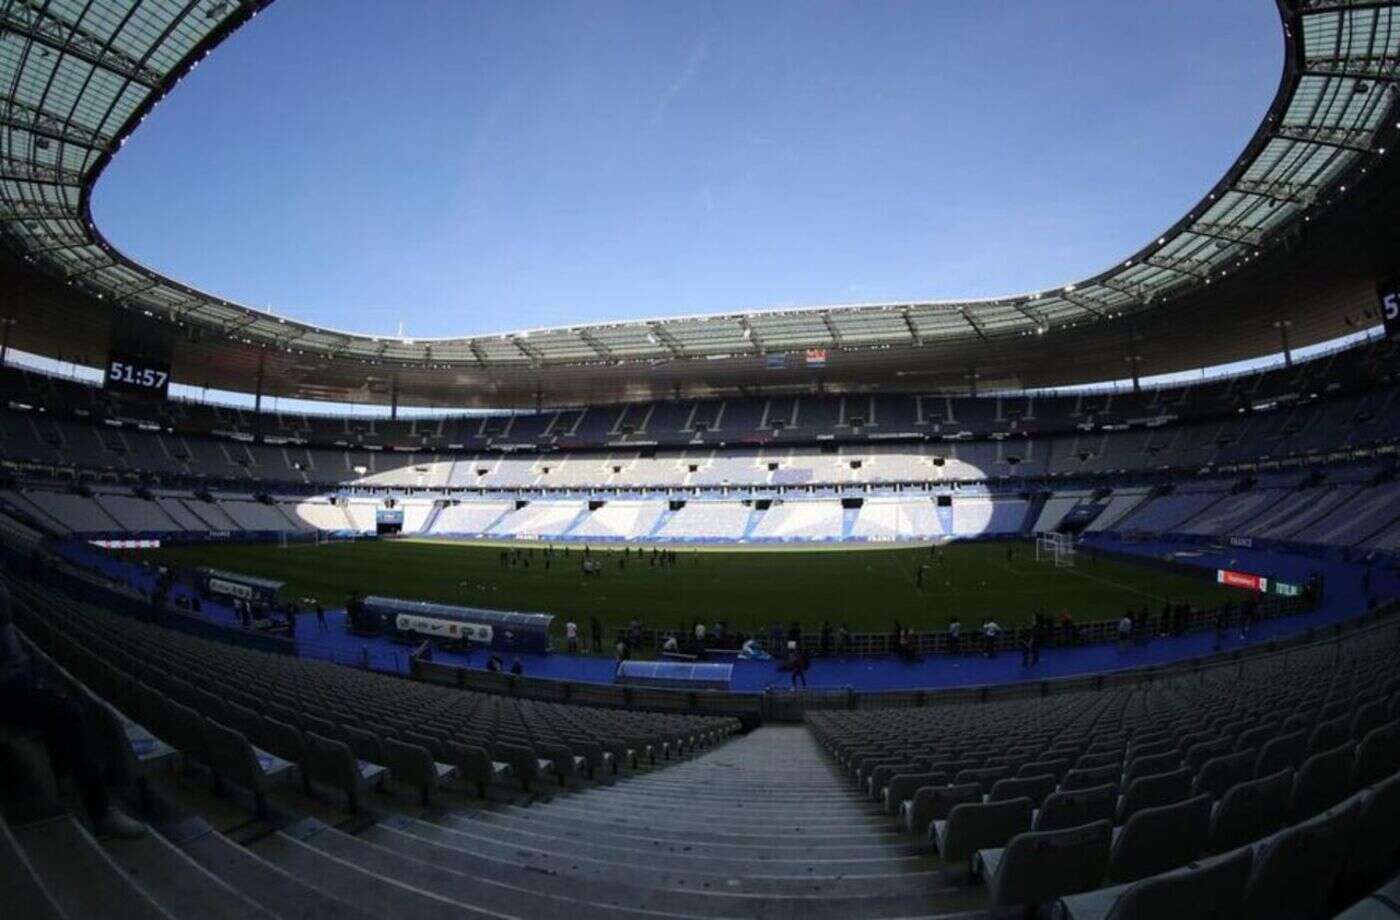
[465, 167]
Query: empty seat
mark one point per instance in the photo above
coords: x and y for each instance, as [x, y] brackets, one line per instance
[1092, 761]
[474, 765]
[985, 777]
[1250, 811]
[1366, 718]
[1040, 866]
[333, 763]
[1035, 788]
[1323, 781]
[1091, 778]
[979, 826]
[1377, 847]
[933, 803]
[1220, 774]
[1295, 870]
[1327, 735]
[411, 765]
[1071, 808]
[1056, 767]
[1284, 751]
[1160, 839]
[1210, 890]
[1152, 765]
[233, 760]
[1151, 791]
[902, 787]
[1378, 755]
[1198, 754]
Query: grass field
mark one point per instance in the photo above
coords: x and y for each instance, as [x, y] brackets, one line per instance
[748, 589]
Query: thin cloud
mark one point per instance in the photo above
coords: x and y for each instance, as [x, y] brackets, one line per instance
[699, 52]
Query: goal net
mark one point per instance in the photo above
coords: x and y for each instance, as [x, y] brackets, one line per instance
[1055, 548]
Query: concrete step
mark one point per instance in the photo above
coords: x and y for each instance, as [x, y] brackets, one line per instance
[84, 880]
[272, 887]
[179, 884]
[639, 890]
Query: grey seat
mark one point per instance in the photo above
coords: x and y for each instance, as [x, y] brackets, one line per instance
[902, 787]
[1377, 849]
[1323, 781]
[233, 760]
[1056, 767]
[1040, 866]
[1378, 755]
[287, 742]
[932, 803]
[1151, 791]
[1295, 870]
[564, 763]
[411, 765]
[979, 826]
[986, 777]
[1366, 718]
[1093, 761]
[1035, 788]
[1250, 811]
[1212, 889]
[1151, 765]
[1198, 754]
[1160, 839]
[1220, 774]
[1091, 777]
[474, 765]
[1284, 751]
[1327, 735]
[1071, 808]
[524, 765]
[333, 763]
[879, 778]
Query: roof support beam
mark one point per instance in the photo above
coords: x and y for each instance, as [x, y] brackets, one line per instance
[967, 317]
[592, 342]
[475, 348]
[1084, 303]
[24, 117]
[751, 334]
[831, 329]
[1372, 67]
[37, 22]
[1309, 7]
[527, 349]
[1340, 138]
[1188, 267]
[22, 170]
[666, 339]
[914, 335]
[1290, 192]
[34, 210]
[1226, 233]
[96, 265]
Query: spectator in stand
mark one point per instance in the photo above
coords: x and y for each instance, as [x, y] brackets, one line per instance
[30, 702]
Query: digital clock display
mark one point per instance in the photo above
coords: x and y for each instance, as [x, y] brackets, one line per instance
[142, 376]
[1389, 293]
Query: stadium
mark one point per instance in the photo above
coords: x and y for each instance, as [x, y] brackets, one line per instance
[1079, 602]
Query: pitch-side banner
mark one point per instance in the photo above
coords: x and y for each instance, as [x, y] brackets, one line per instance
[232, 589]
[451, 629]
[1242, 580]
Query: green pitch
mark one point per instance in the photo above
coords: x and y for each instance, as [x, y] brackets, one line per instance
[865, 588]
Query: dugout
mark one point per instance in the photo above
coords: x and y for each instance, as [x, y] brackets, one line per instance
[222, 583]
[499, 630]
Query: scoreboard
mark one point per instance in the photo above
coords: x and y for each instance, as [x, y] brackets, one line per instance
[138, 376]
[1389, 294]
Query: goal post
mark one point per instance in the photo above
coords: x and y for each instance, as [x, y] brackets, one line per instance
[1055, 548]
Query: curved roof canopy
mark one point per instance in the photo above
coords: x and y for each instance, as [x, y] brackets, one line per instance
[77, 76]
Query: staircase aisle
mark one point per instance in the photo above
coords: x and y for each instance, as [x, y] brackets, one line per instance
[762, 826]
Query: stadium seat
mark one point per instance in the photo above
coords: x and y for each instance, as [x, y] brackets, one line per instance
[474, 765]
[1219, 775]
[1324, 780]
[1251, 810]
[1377, 755]
[1152, 791]
[1295, 870]
[411, 765]
[1198, 754]
[933, 803]
[1151, 765]
[1212, 889]
[234, 760]
[1091, 777]
[1072, 808]
[977, 826]
[1377, 836]
[1035, 788]
[902, 786]
[1156, 840]
[1041, 866]
[1284, 751]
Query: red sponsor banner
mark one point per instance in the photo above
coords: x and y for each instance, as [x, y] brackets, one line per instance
[1241, 580]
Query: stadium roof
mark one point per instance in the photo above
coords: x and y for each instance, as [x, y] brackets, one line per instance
[80, 75]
